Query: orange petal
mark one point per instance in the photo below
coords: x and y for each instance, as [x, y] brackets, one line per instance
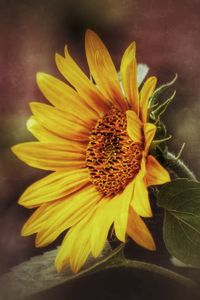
[140, 201]
[86, 89]
[103, 70]
[58, 122]
[155, 173]
[145, 93]
[149, 133]
[65, 98]
[50, 156]
[134, 126]
[128, 70]
[54, 186]
[139, 232]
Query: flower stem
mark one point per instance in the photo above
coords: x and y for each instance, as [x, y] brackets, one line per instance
[116, 260]
[177, 167]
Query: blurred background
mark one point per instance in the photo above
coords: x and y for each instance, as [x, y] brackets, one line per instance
[168, 40]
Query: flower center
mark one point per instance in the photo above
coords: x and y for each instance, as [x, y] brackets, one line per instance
[112, 157]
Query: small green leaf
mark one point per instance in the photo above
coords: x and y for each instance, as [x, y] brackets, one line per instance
[181, 230]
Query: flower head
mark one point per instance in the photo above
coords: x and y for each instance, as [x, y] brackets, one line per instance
[95, 138]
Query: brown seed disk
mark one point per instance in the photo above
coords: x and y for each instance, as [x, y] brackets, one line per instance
[112, 157]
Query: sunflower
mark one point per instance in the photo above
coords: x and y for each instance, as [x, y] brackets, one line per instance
[95, 137]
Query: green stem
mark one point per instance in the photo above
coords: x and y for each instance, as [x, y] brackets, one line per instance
[117, 260]
[177, 166]
[154, 269]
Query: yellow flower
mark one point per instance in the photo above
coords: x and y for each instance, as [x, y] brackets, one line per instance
[96, 139]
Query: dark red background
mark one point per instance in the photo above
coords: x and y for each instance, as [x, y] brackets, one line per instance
[168, 40]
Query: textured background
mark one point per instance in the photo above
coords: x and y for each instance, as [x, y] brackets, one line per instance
[167, 35]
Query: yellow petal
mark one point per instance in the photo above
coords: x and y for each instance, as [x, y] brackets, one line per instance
[54, 186]
[75, 250]
[134, 126]
[85, 88]
[103, 70]
[65, 214]
[149, 133]
[58, 123]
[128, 70]
[139, 232]
[41, 133]
[121, 219]
[145, 93]
[140, 201]
[50, 156]
[155, 173]
[103, 219]
[64, 97]
[81, 251]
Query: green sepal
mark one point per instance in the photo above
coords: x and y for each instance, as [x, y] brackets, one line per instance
[160, 90]
[158, 142]
[181, 230]
[156, 114]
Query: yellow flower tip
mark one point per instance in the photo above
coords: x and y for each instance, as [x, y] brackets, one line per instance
[58, 265]
[39, 243]
[25, 231]
[132, 48]
[34, 106]
[30, 123]
[61, 263]
[121, 237]
[151, 246]
[39, 76]
[66, 52]
[17, 150]
[58, 58]
[153, 83]
[13, 149]
[165, 177]
[90, 33]
[95, 252]
[22, 201]
[75, 268]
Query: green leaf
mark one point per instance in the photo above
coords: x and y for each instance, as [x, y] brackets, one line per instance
[181, 229]
[39, 274]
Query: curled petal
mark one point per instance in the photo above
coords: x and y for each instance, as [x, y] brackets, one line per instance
[139, 232]
[149, 133]
[145, 93]
[134, 126]
[155, 173]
